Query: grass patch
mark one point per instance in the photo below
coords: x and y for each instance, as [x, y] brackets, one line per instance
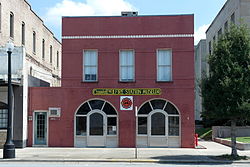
[241, 139]
[230, 157]
[204, 133]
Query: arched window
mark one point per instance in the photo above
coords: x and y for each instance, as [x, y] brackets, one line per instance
[97, 105]
[161, 105]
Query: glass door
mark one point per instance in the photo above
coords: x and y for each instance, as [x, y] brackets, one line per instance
[158, 129]
[40, 128]
[96, 134]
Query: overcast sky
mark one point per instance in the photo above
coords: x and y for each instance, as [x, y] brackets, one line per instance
[52, 10]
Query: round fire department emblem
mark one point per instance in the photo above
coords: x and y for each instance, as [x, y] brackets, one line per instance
[126, 103]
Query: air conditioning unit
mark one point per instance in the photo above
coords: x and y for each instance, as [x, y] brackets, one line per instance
[54, 112]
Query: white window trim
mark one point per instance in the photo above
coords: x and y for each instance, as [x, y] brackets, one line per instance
[171, 66]
[126, 65]
[47, 138]
[83, 78]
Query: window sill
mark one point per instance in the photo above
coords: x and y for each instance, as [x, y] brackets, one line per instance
[127, 81]
[90, 81]
[164, 81]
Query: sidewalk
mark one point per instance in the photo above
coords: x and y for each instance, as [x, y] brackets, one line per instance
[153, 155]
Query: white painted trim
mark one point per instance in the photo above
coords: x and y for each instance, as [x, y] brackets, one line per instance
[87, 101]
[129, 36]
[47, 136]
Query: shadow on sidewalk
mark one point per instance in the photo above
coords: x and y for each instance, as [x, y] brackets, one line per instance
[192, 159]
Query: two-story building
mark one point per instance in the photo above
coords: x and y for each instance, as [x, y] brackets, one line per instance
[126, 81]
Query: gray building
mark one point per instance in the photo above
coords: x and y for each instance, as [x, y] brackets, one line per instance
[36, 61]
[233, 11]
[201, 70]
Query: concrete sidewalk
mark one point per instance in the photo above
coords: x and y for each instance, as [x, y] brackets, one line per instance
[153, 155]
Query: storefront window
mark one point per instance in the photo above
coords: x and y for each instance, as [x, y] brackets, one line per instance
[173, 123]
[81, 126]
[111, 128]
[142, 125]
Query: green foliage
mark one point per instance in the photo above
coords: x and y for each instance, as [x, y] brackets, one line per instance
[226, 91]
[201, 131]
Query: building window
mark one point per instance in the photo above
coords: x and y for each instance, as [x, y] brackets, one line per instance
[90, 65]
[11, 25]
[127, 65]
[93, 105]
[233, 18]
[157, 119]
[43, 49]
[34, 42]
[50, 54]
[23, 33]
[226, 26]
[164, 65]
[57, 59]
[3, 118]
[210, 47]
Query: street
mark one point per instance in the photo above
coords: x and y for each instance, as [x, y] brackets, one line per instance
[112, 164]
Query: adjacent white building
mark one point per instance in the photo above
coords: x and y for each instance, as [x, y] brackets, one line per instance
[36, 61]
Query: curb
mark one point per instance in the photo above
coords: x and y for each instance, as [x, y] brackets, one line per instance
[129, 161]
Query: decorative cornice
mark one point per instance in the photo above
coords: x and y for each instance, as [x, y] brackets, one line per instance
[130, 36]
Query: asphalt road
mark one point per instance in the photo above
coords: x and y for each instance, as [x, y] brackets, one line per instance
[113, 164]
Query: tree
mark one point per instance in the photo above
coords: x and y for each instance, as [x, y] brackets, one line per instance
[226, 91]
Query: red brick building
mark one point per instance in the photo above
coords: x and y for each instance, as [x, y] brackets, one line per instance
[126, 81]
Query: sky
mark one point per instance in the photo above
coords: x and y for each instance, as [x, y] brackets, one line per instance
[51, 11]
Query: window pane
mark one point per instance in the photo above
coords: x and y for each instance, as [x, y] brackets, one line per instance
[164, 73]
[109, 110]
[81, 126]
[164, 57]
[130, 73]
[90, 58]
[158, 124]
[124, 73]
[170, 109]
[111, 128]
[157, 104]
[142, 125]
[173, 123]
[84, 109]
[3, 118]
[96, 124]
[96, 104]
[145, 109]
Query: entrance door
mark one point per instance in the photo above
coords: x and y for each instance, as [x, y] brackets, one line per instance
[96, 129]
[158, 129]
[40, 128]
